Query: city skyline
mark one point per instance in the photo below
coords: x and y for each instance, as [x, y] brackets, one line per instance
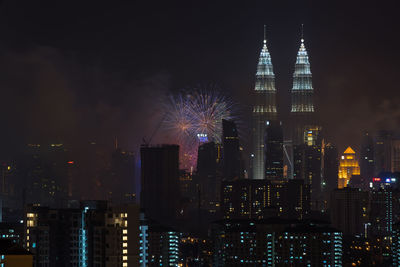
[199, 133]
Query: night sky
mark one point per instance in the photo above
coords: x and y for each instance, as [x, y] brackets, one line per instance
[72, 71]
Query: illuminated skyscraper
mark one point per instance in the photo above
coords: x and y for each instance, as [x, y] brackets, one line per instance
[264, 108]
[302, 109]
[348, 166]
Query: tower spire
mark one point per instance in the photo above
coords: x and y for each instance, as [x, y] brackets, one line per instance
[302, 33]
[265, 34]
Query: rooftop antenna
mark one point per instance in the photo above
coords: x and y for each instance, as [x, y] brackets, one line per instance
[302, 33]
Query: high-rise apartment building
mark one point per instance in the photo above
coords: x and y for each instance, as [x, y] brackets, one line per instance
[381, 212]
[159, 245]
[276, 242]
[307, 167]
[94, 234]
[349, 210]
[257, 199]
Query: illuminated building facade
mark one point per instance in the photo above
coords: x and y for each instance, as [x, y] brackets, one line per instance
[302, 94]
[264, 109]
[258, 199]
[348, 166]
[396, 244]
[94, 234]
[275, 242]
[381, 212]
[349, 209]
[309, 245]
[159, 245]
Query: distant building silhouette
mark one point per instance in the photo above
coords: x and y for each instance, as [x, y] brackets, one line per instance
[367, 161]
[257, 199]
[274, 150]
[231, 151]
[349, 210]
[209, 174]
[160, 182]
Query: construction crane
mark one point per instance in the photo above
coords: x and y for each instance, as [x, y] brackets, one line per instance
[147, 142]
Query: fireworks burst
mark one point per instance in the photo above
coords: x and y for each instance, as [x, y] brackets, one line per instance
[196, 117]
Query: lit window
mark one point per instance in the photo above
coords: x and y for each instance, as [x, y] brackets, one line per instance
[124, 238]
[125, 231]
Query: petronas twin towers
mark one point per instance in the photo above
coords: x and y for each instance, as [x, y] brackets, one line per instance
[265, 107]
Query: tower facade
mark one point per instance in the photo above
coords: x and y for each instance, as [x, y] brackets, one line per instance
[274, 150]
[367, 161]
[264, 109]
[348, 166]
[302, 109]
[231, 151]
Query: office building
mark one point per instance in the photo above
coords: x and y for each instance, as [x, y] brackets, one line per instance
[122, 182]
[302, 95]
[232, 164]
[160, 182]
[274, 150]
[307, 167]
[382, 151]
[264, 109]
[367, 162]
[330, 168]
[209, 173]
[348, 166]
